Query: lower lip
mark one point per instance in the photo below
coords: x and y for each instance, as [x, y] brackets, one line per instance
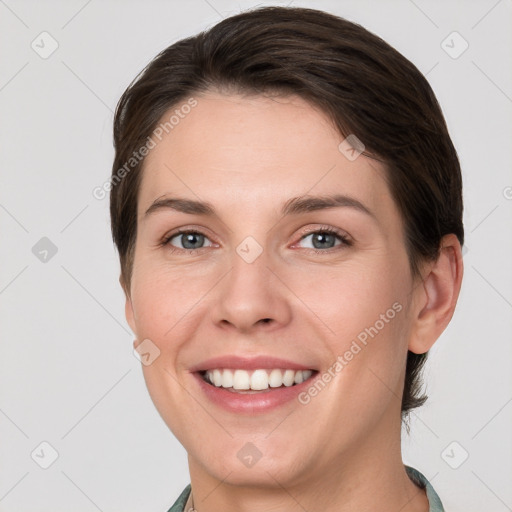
[252, 403]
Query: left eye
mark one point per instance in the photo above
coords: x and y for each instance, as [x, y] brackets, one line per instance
[325, 239]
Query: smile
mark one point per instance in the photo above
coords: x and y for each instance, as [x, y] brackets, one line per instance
[252, 392]
[255, 380]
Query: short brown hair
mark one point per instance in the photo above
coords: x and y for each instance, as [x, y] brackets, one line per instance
[365, 86]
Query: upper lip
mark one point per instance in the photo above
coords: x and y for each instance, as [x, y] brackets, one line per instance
[247, 363]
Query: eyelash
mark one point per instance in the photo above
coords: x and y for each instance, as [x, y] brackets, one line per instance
[345, 241]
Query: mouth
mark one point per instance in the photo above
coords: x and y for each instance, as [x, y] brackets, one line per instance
[253, 384]
[256, 381]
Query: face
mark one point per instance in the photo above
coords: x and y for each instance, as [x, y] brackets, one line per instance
[264, 275]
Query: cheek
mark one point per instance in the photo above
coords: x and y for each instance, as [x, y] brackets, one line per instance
[349, 299]
[362, 311]
[166, 301]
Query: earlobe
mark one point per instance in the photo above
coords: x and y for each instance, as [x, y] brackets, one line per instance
[439, 292]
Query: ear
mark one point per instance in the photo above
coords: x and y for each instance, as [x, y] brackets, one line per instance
[436, 296]
[128, 307]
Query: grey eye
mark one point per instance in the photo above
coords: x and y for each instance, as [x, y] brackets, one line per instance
[189, 240]
[323, 239]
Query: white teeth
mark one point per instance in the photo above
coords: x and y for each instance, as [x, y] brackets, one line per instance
[275, 379]
[227, 379]
[256, 380]
[306, 374]
[217, 377]
[259, 380]
[241, 380]
[289, 377]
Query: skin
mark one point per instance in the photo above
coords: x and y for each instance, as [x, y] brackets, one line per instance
[247, 156]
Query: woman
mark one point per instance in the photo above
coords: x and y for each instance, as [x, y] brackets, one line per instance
[287, 206]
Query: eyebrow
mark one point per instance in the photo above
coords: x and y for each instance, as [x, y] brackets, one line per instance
[294, 206]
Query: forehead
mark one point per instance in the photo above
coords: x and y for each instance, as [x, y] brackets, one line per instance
[258, 150]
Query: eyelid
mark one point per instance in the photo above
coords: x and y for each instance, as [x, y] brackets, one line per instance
[343, 236]
[185, 230]
[345, 239]
[324, 228]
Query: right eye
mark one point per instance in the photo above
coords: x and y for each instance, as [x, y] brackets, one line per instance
[189, 240]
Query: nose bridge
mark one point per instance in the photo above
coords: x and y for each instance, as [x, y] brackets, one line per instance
[249, 262]
[250, 292]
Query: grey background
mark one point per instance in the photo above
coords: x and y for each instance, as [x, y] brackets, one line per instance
[68, 376]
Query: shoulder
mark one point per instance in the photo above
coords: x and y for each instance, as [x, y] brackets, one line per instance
[179, 504]
[420, 480]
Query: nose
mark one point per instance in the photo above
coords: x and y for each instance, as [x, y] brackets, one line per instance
[251, 296]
